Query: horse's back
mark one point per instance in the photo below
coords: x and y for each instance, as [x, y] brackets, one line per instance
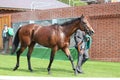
[50, 36]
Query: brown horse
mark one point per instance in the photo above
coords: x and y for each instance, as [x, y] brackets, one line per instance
[54, 36]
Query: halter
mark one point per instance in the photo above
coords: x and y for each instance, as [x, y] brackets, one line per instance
[85, 27]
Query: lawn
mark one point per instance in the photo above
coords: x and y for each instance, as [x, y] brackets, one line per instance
[60, 68]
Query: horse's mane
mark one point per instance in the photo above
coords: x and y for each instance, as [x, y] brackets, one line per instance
[70, 22]
[56, 24]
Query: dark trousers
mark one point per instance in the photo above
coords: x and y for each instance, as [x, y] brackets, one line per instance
[5, 44]
[82, 58]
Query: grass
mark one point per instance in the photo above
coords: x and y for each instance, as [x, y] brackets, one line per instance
[78, 2]
[60, 68]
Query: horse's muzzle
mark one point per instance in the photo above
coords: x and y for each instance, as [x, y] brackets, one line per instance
[91, 33]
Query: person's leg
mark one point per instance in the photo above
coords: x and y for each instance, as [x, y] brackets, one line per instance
[4, 42]
[85, 56]
[79, 62]
[82, 58]
[6, 46]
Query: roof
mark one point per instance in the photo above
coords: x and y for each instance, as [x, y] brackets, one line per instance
[31, 4]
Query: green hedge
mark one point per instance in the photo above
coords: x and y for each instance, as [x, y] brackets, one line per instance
[44, 53]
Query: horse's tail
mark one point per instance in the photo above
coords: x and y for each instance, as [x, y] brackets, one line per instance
[15, 42]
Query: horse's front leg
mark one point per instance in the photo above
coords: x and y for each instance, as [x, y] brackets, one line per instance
[67, 52]
[53, 51]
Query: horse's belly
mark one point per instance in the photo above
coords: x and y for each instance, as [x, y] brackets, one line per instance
[45, 44]
[46, 41]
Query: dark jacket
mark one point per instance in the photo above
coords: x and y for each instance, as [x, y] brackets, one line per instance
[86, 40]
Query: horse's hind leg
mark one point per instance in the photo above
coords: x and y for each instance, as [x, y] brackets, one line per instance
[18, 57]
[29, 55]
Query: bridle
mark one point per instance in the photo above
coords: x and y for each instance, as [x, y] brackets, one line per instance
[84, 25]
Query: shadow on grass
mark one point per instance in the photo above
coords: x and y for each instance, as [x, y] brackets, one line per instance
[11, 69]
[38, 70]
[52, 70]
[6, 69]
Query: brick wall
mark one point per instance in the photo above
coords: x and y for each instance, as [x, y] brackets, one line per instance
[106, 41]
[104, 18]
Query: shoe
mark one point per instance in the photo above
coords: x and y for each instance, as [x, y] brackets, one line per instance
[80, 71]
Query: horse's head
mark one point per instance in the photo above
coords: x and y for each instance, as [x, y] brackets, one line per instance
[85, 26]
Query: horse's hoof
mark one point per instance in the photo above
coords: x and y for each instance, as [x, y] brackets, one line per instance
[74, 69]
[30, 70]
[49, 73]
[76, 72]
[15, 68]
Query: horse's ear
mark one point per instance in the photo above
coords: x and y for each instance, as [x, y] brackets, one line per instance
[79, 18]
[82, 16]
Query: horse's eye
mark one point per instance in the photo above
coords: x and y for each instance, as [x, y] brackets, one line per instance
[84, 22]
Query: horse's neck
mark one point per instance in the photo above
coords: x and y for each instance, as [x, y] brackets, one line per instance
[70, 29]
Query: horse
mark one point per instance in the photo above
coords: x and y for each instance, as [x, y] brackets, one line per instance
[56, 36]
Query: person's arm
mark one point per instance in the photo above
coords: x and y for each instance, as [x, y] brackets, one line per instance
[87, 37]
[78, 36]
[78, 39]
[78, 46]
[89, 41]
